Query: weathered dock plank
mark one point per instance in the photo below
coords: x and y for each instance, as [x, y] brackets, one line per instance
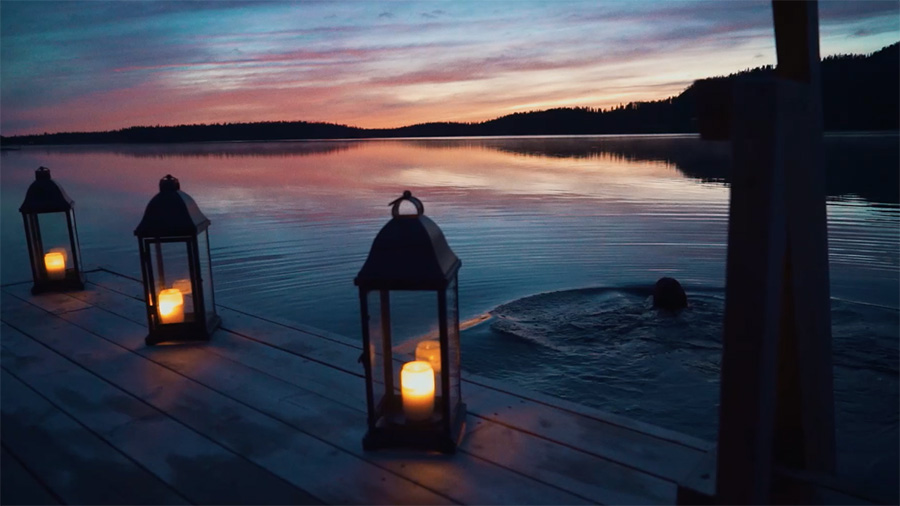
[653, 456]
[275, 393]
[19, 486]
[660, 452]
[328, 473]
[575, 470]
[624, 445]
[461, 477]
[612, 482]
[172, 451]
[647, 429]
[55, 303]
[74, 464]
[474, 481]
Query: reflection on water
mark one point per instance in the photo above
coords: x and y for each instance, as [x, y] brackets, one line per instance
[293, 221]
[711, 161]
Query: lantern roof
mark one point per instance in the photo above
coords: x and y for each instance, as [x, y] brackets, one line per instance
[45, 195]
[409, 253]
[171, 213]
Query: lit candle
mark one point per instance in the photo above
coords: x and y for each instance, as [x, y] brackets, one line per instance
[417, 390]
[430, 351]
[171, 306]
[184, 285]
[55, 262]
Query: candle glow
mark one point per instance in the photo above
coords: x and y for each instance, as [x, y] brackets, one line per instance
[183, 285]
[171, 306]
[55, 262]
[417, 390]
[430, 351]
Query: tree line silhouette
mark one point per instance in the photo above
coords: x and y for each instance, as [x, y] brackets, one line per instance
[860, 92]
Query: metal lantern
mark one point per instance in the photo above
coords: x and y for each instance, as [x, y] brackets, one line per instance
[176, 267]
[52, 236]
[417, 404]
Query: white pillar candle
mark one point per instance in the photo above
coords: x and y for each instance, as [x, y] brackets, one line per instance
[55, 262]
[184, 285]
[171, 306]
[417, 390]
[430, 351]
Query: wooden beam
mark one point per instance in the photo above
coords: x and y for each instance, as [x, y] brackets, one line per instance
[756, 240]
[777, 389]
[797, 40]
[804, 424]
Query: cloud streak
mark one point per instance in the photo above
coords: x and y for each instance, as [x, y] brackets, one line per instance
[104, 65]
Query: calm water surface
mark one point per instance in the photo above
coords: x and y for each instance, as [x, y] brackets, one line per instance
[559, 237]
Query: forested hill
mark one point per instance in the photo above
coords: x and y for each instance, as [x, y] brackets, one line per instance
[860, 92]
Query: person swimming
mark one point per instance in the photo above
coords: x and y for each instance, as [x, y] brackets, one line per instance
[668, 294]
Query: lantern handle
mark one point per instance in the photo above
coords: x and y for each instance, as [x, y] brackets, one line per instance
[407, 195]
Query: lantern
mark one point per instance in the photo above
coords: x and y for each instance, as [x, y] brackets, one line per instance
[176, 267]
[411, 270]
[52, 236]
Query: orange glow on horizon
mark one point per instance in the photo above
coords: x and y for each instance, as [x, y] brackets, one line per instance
[317, 105]
[379, 64]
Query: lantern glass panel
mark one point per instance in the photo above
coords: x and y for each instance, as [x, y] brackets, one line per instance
[378, 340]
[209, 302]
[54, 233]
[453, 352]
[35, 245]
[171, 268]
[414, 318]
[77, 257]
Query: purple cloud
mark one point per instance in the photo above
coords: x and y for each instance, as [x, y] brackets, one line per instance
[88, 65]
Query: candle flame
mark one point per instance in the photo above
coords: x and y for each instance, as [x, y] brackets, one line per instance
[55, 260]
[169, 301]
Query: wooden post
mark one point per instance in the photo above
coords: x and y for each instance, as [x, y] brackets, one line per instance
[777, 391]
[805, 408]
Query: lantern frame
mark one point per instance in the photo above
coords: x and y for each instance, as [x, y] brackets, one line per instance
[173, 220]
[410, 254]
[46, 197]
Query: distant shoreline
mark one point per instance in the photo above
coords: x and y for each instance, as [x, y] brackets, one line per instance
[17, 147]
[836, 133]
[859, 93]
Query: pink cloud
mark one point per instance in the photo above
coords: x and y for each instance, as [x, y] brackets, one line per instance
[250, 64]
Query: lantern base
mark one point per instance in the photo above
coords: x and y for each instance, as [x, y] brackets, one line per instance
[73, 282]
[428, 435]
[182, 333]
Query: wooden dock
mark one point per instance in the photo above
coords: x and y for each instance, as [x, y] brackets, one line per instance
[269, 412]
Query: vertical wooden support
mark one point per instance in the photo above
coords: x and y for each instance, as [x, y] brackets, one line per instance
[777, 391]
[756, 246]
[805, 411]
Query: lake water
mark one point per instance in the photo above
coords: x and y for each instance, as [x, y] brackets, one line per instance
[560, 240]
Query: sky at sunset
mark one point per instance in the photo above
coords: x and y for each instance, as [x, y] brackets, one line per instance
[83, 66]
